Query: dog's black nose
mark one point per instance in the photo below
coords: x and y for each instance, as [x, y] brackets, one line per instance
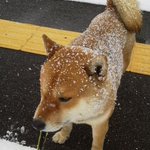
[38, 124]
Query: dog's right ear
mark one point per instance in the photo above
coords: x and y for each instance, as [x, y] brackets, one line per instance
[50, 46]
[97, 68]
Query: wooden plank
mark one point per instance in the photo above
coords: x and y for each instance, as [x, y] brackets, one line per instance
[35, 44]
[140, 59]
[14, 35]
[27, 37]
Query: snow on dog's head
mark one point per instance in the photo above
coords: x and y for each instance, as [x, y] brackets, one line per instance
[73, 86]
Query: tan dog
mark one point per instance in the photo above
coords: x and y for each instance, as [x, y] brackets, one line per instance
[79, 82]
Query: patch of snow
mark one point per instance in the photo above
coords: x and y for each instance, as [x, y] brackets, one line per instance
[22, 130]
[6, 145]
[18, 74]
[13, 137]
[144, 4]
[102, 2]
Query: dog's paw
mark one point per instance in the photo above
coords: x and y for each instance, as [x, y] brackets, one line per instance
[59, 137]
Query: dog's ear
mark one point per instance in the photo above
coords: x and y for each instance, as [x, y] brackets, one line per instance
[50, 46]
[97, 68]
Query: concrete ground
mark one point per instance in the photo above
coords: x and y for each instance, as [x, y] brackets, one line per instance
[19, 74]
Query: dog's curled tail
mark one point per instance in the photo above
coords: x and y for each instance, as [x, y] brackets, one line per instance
[129, 13]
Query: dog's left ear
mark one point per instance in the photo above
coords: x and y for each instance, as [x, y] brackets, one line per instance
[97, 68]
[50, 46]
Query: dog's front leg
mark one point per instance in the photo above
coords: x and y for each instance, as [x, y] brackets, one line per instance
[99, 131]
[62, 135]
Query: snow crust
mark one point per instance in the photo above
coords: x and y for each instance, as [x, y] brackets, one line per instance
[144, 4]
[6, 145]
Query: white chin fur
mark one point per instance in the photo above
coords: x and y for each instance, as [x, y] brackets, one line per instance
[53, 128]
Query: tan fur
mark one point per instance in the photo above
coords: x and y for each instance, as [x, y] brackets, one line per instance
[79, 82]
[129, 13]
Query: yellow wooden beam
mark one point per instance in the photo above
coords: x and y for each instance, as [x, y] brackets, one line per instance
[140, 59]
[27, 38]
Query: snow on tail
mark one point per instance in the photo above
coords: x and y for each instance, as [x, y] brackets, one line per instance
[129, 13]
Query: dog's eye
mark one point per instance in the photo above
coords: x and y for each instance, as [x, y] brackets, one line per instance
[64, 99]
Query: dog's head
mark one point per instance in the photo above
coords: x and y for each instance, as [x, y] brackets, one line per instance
[73, 81]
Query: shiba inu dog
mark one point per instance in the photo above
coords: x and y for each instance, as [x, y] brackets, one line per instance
[79, 82]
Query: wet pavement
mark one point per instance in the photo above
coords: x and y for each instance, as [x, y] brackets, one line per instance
[19, 86]
[60, 14]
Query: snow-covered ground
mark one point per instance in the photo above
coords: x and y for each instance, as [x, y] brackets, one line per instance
[6, 145]
[144, 4]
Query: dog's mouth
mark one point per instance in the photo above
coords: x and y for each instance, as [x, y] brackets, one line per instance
[47, 126]
[53, 127]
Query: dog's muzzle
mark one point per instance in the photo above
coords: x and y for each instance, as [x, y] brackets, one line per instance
[38, 124]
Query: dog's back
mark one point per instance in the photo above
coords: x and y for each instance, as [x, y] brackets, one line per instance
[113, 33]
